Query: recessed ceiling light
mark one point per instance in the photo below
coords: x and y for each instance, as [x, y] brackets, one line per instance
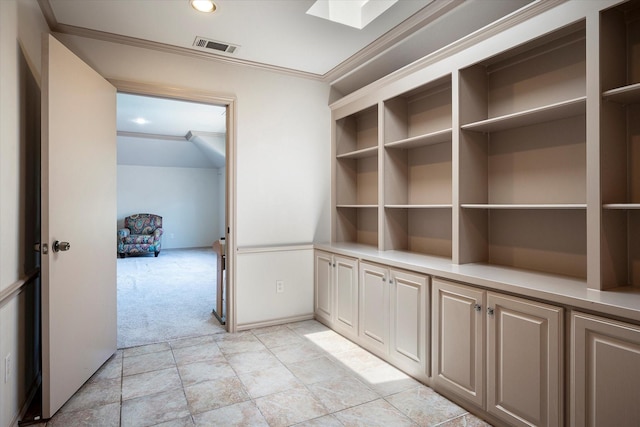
[140, 121]
[206, 6]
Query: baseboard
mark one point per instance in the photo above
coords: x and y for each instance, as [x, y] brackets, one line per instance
[274, 322]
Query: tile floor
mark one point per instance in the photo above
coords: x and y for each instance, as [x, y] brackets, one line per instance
[297, 374]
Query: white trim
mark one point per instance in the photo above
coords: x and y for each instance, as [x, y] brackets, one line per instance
[230, 102]
[394, 36]
[280, 248]
[274, 322]
[15, 288]
[503, 24]
[150, 136]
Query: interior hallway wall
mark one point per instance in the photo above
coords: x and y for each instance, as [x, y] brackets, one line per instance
[283, 147]
[187, 199]
[21, 28]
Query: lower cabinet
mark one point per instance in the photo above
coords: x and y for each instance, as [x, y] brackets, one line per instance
[501, 353]
[336, 292]
[605, 372]
[394, 317]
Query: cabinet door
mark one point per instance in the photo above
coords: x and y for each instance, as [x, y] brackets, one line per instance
[524, 361]
[605, 375]
[458, 340]
[346, 299]
[374, 307]
[323, 301]
[409, 325]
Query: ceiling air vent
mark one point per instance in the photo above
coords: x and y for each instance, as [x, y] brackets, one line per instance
[203, 43]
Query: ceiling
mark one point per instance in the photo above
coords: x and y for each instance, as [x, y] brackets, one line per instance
[276, 35]
[170, 133]
[280, 35]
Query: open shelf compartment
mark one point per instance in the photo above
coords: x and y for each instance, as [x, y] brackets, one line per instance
[620, 145]
[357, 225]
[357, 132]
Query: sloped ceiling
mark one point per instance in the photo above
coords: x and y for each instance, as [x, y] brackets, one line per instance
[170, 133]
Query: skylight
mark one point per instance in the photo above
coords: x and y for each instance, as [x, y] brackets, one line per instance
[354, 13]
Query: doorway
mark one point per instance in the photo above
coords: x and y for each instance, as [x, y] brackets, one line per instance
[194, 161]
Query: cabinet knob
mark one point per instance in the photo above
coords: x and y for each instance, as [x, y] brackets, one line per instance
[490, 311]
[477, 307]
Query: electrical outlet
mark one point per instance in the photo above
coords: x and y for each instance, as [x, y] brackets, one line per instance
[279, 286]
[7, 368]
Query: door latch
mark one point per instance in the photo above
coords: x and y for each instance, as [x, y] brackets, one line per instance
[43, 248]
[61, 246]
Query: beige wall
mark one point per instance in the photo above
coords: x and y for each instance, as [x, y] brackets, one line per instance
[283, 147]
[21, 28]
[282, 160]
[283, 135]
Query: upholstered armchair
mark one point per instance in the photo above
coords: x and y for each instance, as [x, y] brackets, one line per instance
[142, 233]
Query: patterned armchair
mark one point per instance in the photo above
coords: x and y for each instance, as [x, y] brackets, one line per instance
[142, 234]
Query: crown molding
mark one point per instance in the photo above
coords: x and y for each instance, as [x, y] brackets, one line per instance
[484, 33]
[418, 20]
[178, 50]
[151, 136]
[47, 12]
[197, 133]
[414, 23]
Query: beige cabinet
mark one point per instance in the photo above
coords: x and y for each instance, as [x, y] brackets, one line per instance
[324, 289]
[336, 292]
[393, 317]
[458, 340]
[501, 353]
[605, 372]
[374, 307]
[524, 361]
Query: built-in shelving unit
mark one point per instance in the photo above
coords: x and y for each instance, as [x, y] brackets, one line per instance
[523, 157]
[418, 170]
[511, 164]
[357, 177]
[620, 144]
[505, 160]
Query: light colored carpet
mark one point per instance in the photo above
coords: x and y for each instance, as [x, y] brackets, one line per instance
[166, 298]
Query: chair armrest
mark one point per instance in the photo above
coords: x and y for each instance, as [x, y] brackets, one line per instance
[157, 233]
[123, 232]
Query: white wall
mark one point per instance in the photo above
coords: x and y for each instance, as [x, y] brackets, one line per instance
[260, 270]
[282, 160]
[21, 25]
[283, 135]
[188, 200]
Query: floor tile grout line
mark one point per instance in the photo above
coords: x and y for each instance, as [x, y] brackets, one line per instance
[121, 386]
[321, 352]
[329, 357]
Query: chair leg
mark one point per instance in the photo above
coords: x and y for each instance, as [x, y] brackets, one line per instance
[120, 255]
[156, 253]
